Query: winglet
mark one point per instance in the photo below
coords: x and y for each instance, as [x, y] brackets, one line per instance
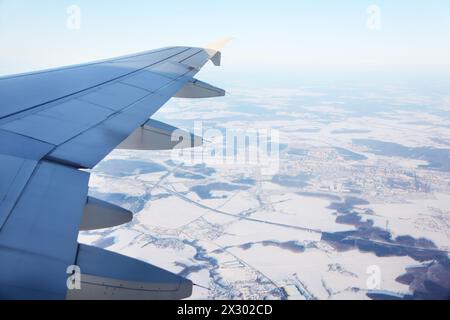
[214, 48]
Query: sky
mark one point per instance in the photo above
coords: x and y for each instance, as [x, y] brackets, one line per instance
[284, 36]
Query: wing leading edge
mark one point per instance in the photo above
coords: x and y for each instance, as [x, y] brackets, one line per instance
[56, 122]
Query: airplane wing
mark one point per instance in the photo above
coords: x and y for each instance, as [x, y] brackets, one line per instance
[54, 124]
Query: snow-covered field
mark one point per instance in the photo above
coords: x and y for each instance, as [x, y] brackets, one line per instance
[361, 196]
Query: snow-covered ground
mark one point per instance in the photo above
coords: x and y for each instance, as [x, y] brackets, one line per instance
[360, 197]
